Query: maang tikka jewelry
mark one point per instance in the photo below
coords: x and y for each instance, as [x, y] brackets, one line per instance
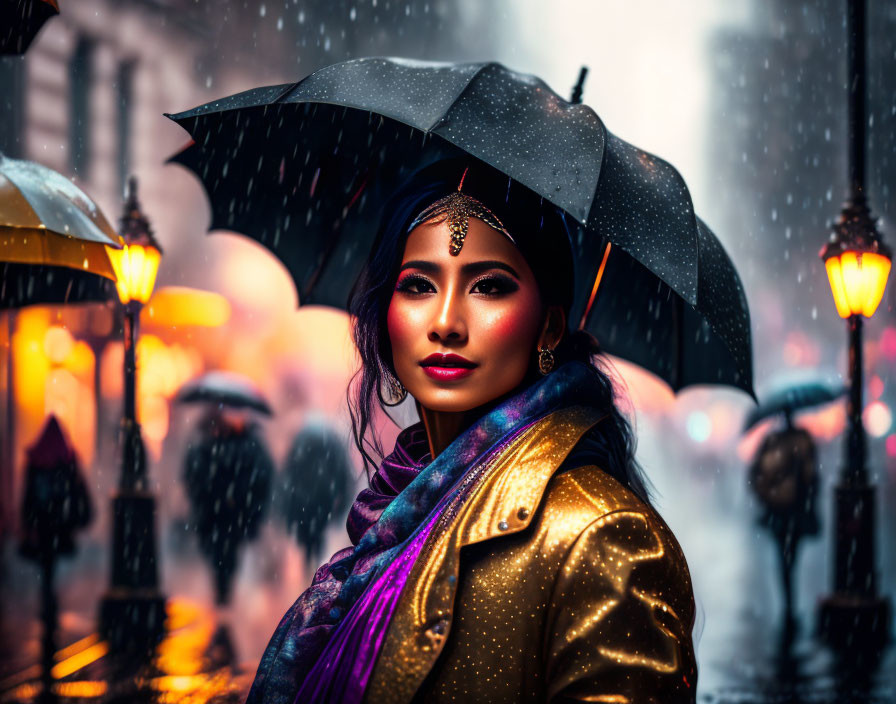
[545, 360]
[457, 208]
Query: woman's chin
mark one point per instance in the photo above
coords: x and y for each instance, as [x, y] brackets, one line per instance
[457, 400]
[461, 399]
[443, 405]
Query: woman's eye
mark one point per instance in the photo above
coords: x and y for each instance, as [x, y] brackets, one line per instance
[414, 284]
[494, 286]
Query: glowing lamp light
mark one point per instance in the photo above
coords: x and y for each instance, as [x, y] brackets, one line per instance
[137, 262]
[135, 267]
[857, 261]
[858, 280]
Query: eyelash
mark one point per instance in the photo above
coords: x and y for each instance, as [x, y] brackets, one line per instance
[405, 284]
[503, 284]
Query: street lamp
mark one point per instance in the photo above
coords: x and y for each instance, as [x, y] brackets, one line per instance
[132, 612]
[858, 264]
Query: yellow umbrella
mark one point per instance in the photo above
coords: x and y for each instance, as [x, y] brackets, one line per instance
[53, 239]
[47, 220]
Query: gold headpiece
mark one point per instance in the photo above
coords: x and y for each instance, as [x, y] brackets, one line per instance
[457, 208]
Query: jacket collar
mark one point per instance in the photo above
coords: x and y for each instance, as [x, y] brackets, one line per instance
[512, 488]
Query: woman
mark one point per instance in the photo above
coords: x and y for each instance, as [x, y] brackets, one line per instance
[506, 550]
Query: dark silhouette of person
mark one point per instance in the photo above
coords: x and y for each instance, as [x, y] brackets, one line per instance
[784, 477]
[317, 485]
[55, 505]
[228, 474]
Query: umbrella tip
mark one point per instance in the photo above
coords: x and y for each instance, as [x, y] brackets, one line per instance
[576, 97]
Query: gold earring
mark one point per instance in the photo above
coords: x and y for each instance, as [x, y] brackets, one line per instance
[545, 360]
[396, 390]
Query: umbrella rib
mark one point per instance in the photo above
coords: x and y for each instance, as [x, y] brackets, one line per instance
[678, 315]
[460, 94]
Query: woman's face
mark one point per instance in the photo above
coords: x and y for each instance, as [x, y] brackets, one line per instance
[464, 328]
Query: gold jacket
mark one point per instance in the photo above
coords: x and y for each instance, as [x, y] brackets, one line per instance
[558, 587]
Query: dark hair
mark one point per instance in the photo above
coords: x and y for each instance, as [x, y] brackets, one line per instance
[551, 262]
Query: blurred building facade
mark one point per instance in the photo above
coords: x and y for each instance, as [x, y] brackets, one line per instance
[88, 101]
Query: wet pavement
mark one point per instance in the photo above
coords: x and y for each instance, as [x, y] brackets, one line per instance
[210, 656]
[193, 663]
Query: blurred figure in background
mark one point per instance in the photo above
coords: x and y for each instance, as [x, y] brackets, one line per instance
[317, 485]
[55, 506]
[227, 475]
[784, 477]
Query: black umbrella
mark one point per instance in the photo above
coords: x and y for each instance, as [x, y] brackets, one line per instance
[789, 400]
[316, 486]
[21, 20]
[224, 389]
[305, 169]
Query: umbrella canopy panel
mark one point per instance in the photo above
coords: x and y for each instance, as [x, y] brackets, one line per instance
[30, 284]
[792, 399]
[639, 318]
[37, 246]
[225, 389]
[21, 20]
[48, 200]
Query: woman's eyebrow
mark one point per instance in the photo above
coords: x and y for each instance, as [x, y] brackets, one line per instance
[422, 264]
[470, 269]
[479, 267]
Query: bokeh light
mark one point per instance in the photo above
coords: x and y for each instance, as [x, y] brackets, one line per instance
[699, 426]
[58, 344]
[891, 445]
[878, 419]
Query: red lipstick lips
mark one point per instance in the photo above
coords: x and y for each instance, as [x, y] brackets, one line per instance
[447, 367]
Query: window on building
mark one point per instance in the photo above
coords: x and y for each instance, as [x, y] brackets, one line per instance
[80, 75]
[12, 106]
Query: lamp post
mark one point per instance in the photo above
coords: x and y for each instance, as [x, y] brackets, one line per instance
[132, 612]
[857, 263]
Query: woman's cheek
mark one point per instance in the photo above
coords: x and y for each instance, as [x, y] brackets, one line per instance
[405, 325]
[396, 323]
[513, 325]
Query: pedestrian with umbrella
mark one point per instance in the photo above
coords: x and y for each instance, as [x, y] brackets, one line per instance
[316, 485]
[784, 478]
[227, 473]
[507, 549]
[55, 505]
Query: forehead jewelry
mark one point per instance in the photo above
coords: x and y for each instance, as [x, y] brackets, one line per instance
[457, 208]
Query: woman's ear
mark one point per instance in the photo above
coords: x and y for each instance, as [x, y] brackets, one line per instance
[553, 328]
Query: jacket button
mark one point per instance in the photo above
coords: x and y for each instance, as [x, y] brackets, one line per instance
[523, 513]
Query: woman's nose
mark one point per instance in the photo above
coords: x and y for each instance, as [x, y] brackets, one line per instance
[448, 324]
